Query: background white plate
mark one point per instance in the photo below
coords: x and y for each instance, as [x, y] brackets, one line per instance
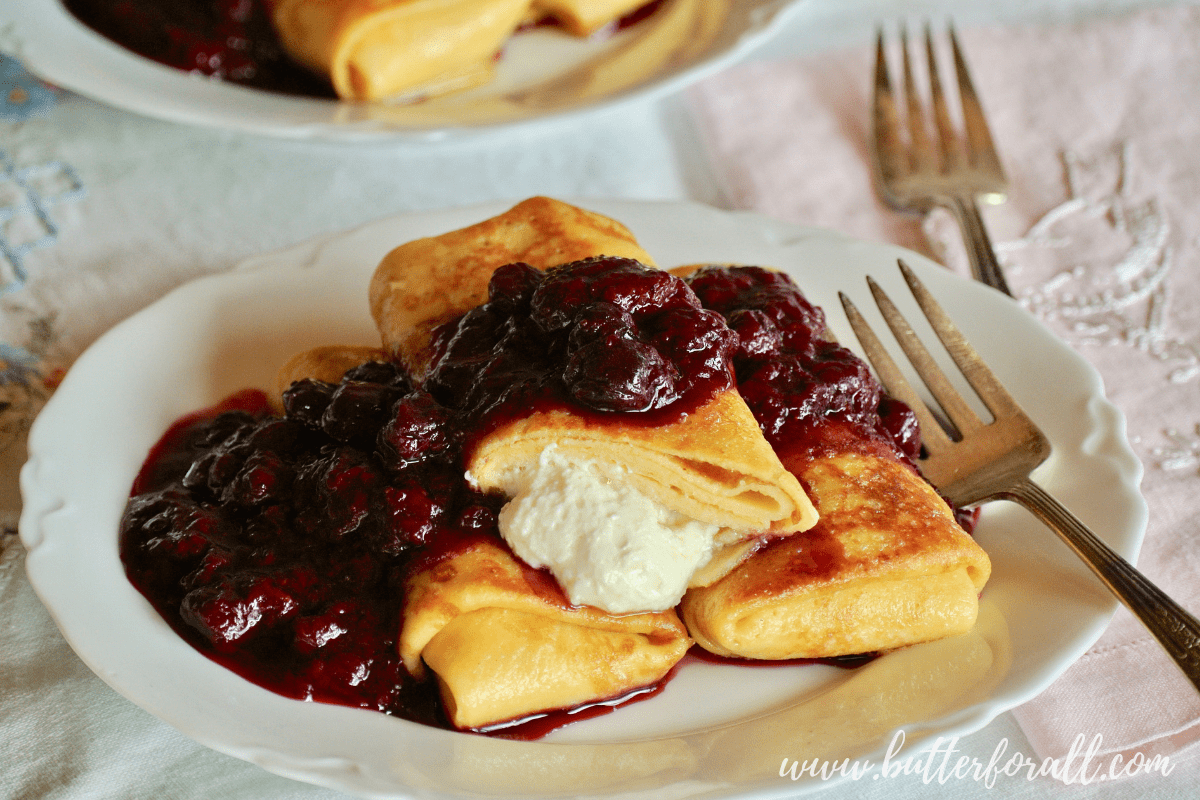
[717, 730]
[543, 74]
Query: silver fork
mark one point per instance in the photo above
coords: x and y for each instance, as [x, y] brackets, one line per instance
[978, 461]
[918, 172]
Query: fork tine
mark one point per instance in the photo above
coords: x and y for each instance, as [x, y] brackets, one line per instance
[889, 151]
[962, 417]
[981, 149]
[951, 156]
[993, 394]
[921, 152]
[933, 435]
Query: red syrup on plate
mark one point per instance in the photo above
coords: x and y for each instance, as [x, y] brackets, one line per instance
[698, 653]
[537, 726]
[311, 618]
[627, 20]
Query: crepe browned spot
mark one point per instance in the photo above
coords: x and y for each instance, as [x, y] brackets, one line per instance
[886, 566]
[504, 642]
[426, 282]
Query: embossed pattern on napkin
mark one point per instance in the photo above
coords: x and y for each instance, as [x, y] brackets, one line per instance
[1098, 127]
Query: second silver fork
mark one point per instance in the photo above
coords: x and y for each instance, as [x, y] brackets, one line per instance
[918, 171]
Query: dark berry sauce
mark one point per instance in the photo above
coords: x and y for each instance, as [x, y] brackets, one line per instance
[280, 545]
[602, 336]
[807, 392]
[791, 373]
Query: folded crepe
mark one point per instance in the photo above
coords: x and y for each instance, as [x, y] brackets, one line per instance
[424, 283]
[505, 644]
[584, 17]
[374, 49]
[712, 465]
[886, 566]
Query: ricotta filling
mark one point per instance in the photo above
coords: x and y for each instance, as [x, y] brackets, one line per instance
[607, 544]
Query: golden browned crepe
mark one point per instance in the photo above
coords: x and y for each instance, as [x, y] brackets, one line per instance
[374, 49]
[505, 644]
[421, 284]
[887, 565]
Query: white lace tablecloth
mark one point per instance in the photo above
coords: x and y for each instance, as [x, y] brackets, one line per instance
[102, 212]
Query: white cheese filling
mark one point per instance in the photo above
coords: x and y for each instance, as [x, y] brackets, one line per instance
[607, 544]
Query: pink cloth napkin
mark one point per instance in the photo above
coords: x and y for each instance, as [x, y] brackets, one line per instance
[1099, 127]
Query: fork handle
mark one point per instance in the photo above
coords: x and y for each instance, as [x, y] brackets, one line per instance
[985, 267]
[1176, 630]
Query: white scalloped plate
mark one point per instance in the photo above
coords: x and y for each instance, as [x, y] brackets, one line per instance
[717, 731]
[543, 75]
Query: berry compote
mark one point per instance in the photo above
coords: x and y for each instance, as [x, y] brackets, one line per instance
[279, 545]
[793, 375]
[604, 335]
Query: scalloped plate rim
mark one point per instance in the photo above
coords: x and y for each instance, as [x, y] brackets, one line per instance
[47, 526]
